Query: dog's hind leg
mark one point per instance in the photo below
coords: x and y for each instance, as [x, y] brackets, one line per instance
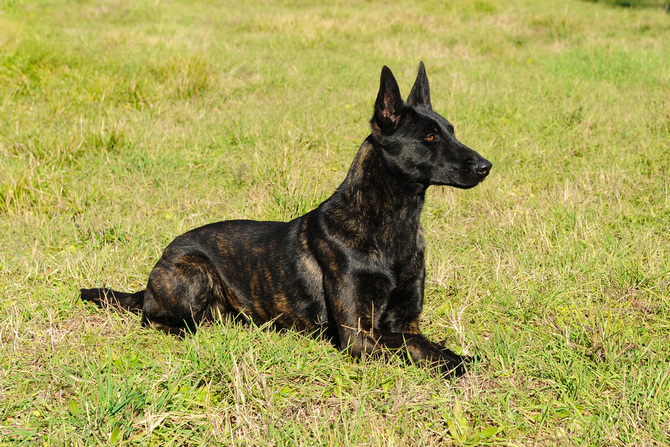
[183, 292]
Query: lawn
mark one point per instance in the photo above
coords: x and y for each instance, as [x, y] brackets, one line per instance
[126, 123]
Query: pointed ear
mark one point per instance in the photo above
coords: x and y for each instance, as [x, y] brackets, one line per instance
[388, 106]
[420, 94]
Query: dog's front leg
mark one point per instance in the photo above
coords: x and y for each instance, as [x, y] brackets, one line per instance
[404, 311]
[351, 300]
[416, 346]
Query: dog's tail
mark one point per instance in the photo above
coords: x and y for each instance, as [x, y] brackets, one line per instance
[132, 302]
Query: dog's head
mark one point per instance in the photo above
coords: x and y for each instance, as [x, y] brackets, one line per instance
[418, 144]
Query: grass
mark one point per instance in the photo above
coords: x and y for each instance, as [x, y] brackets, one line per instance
[124, 124]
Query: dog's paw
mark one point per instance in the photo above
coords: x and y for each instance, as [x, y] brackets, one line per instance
[454, 365]
[451, 369]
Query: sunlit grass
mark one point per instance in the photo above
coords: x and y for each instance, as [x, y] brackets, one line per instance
[124, 124]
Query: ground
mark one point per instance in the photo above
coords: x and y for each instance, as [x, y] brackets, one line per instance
[124, 124]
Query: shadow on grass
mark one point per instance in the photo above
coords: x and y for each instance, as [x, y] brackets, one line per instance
[635, 3]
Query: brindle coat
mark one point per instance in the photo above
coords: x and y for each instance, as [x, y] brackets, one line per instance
[352, 270]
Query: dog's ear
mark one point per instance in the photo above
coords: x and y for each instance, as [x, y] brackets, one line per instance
[420, 94]
[388, 106]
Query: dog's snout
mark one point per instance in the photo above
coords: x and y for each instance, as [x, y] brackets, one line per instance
[483, 167]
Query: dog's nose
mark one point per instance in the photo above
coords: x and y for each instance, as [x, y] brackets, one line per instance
[483, 167]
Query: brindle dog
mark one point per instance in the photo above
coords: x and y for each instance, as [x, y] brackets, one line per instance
[351, 270]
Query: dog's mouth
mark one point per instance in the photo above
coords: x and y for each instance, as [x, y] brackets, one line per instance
[468, 177]
[468, 186]
[460, 185]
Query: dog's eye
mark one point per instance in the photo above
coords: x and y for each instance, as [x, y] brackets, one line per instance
[431, 137]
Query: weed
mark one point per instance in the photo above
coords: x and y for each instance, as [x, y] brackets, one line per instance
[125, 124]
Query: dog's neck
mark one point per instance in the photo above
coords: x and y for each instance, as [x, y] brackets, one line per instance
[375, 200]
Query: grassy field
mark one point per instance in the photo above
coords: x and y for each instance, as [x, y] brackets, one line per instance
[126, 123]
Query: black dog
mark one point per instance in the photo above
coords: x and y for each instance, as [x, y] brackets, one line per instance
[351, 270]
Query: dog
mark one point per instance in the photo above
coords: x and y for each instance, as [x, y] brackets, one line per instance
[351, 270]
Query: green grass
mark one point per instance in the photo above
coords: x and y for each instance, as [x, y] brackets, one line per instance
[124, 124]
